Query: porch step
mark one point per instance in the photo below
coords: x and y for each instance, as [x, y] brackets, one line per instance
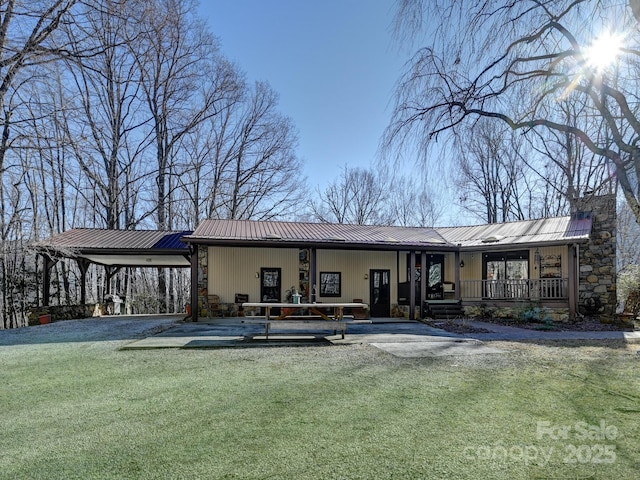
[443, 310]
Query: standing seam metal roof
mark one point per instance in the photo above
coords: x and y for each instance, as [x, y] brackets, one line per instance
[97, 239]
[549, 230]
[247, 230]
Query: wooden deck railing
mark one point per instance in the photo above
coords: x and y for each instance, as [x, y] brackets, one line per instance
[526, 289]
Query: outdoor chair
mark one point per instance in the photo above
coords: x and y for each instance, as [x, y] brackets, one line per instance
[240, 298]
[213, 302]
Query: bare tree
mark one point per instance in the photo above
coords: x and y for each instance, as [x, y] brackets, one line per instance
[358, 197]
[102, 111]
[26, 42]
[490, 175]
[411, 203]
[542, 59]
[252, 170]
[183, 81]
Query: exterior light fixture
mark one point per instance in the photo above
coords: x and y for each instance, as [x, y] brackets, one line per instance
[461, 263]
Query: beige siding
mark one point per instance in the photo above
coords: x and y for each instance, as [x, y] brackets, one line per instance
[564, 261]
[472, 269]
[237, 270]
[354, 266]
[473, 263]
[449, 267]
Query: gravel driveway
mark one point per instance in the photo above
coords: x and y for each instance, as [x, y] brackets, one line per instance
[89, 330]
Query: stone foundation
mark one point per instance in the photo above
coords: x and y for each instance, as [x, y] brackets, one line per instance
[203, 281]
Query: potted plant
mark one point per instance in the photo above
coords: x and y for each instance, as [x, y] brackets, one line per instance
[289, 294]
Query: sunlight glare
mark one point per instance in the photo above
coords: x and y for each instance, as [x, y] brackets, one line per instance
[603, 51]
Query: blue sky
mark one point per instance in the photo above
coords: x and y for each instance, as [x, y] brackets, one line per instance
[332, 62]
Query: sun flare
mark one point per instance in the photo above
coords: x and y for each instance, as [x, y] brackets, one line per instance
[603, 51]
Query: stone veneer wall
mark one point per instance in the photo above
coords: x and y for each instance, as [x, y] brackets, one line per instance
[597, 275]
[203, 280]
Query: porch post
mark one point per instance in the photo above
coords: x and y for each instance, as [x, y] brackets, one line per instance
[47, 265]
[83, 265]
[313, 274]
[412, 285]
[458, 287]
[424, 280]
[194, 282]
[573, 281]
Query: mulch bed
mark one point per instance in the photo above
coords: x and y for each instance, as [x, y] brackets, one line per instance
[586, 325]
[457, 326]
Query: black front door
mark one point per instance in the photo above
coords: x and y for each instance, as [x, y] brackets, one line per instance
[380, 293]
[270, 287]
[270, 284]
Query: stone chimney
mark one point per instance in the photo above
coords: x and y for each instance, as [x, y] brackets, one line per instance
[597, 275]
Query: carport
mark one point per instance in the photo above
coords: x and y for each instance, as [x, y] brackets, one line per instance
[112, 249]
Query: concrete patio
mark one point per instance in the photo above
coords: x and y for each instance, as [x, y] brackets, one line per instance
[399, 337]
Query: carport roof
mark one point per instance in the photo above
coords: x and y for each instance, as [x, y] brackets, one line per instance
[134, 248]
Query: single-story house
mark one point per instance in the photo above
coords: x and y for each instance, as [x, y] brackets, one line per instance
[564, 263]
[567, 263]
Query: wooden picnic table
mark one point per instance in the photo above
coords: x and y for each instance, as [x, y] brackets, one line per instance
[289, 313]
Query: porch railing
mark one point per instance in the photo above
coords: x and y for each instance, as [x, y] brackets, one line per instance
[525, 289]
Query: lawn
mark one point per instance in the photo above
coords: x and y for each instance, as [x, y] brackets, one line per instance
[88, 410]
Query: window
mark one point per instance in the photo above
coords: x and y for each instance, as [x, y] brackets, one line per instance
[506, 274]
[330, 284]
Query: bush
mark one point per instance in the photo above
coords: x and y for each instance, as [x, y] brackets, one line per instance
[535, 314]
[480, 311]
[628, 288]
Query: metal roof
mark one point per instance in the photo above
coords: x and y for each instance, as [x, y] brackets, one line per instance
[556, 230]
[169, 248]
[146, 248]
[283, 234]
